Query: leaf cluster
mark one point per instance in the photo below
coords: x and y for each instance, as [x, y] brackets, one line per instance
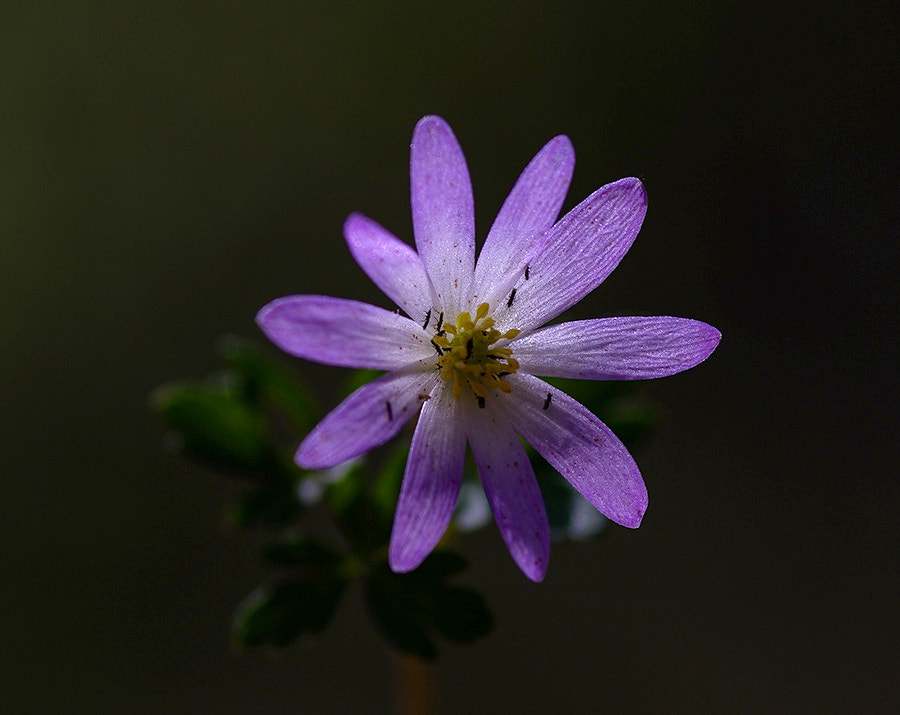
[330, 530]
[244, 422]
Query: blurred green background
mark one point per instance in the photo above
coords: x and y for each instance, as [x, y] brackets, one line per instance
[168, 168]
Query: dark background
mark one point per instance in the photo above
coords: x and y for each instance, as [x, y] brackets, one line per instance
[168, 168]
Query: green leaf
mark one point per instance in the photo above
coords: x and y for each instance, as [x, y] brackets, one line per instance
[409, 608]
[386, 490]
[278, 614]
[265, 378]
[440, 565]
[632, 417]
[393, 610]
[592, 393]
[622, 405]
[214, 424]
[346, 492]
[557, 499]
[357, 379]
[361, 521]
[275, 502]
[460, 614]
[304, 553]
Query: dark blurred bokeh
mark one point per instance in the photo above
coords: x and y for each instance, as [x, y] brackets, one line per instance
[168, 168]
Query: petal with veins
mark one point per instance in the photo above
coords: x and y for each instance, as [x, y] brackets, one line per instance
[443, 211]
[511, 488]
[529, 210]
[430, 484]
[579, 252]
[578, 446]
[366, 419]
[346, 333]
[617, 348]
[391, 264]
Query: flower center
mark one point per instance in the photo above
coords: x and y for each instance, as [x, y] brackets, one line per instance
[467, 357]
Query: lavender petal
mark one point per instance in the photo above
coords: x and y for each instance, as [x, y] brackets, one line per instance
[579, 252]
[366, 419]
[579, 446]
[391, 264]
[530, 209]
[511, 488]
[346, 333]
[443, 211]
[617, 348]
[430, 484]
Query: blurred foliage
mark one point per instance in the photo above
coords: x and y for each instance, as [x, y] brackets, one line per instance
[408, 608]
[246, 420]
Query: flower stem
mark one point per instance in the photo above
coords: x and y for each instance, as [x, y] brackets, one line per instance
[414, 685]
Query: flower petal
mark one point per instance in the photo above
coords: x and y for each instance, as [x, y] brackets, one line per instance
[511, 488]
[342, 332]
[443, 211]
[617, 348]
[391, 264]
[529, 210]
[578, 253]
[430, 484]
[579, 446]
[366, 419]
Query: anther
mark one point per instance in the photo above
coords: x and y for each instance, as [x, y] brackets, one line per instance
[466, 355]
[427, 319]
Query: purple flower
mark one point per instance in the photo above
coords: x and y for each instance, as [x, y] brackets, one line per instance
[465, 357]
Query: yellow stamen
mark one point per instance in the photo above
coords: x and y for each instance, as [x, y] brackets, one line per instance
[468, 356]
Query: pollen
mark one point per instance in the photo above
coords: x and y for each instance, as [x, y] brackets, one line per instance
[467, 357]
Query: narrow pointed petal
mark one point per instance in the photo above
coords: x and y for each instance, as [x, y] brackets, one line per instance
[443, 210]
[430, 484]
[345, 333]
[579, 446]
[511, 488]
[578, 253]
[617, 348]
[529, 210]
[366, 419]
[391, 264]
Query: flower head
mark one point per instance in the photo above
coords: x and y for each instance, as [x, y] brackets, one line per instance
[465, 354]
